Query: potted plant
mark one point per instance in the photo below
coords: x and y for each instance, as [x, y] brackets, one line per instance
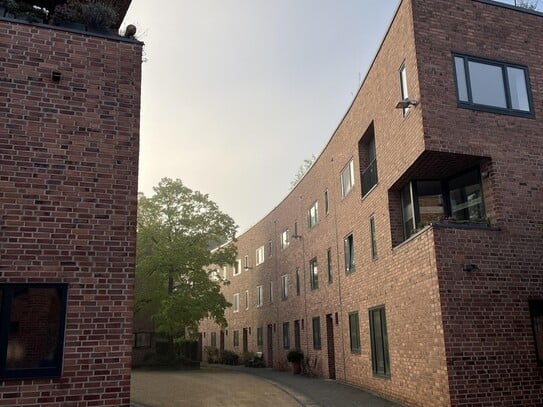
[295, 357]
[23, 10]
[96, 15]
[69, 15]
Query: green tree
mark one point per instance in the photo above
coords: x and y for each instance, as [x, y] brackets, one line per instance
[177, 230]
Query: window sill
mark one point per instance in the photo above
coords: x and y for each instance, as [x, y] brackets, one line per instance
[370, 191]
[381, 376]
[496, 110]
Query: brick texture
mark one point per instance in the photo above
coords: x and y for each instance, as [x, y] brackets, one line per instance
[68, 194]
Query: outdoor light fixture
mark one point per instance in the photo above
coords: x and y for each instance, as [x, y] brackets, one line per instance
[296, 236]
[247, 268]
[55, 76]
[470, 267]
[405, 103]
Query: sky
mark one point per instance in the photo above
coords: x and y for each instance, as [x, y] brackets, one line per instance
[236, 94]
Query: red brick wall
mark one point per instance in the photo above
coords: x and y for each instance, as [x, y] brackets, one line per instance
[68, 189]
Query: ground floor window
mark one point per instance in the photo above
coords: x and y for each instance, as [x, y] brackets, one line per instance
[379, 342]
[354, 332]
[236, 338]
[259, 337]
[286, 335]
[316, 333]
[536, 311]
[142, 340]
[214, 339]
[32, 321]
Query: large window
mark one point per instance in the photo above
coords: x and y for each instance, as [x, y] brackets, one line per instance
[493, 86]
[329, 265]
[536, 312]
[354, 332]
[347, 178]
[235, 303]
[285, 239]
[459, 198]
[236, 268]
[32, 321]
[313, 215]
[259, 296]
[284, 287]
[214, 339]
[368, 160]
[316, 333]
[286, 335]
[236, 338]
[313, 274]
[260, 255]
[379, 342]
[348, 247]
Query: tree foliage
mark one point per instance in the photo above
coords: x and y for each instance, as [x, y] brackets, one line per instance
[304, 167]
[177, 228]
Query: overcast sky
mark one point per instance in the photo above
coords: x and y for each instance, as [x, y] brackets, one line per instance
[237, 93]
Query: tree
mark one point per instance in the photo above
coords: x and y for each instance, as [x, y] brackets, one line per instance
[529, 4]
[306, 165]
[177, 228]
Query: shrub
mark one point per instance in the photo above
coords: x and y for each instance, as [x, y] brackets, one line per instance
[295, 355]
[98, 14]
[212, 354]
[228, 357]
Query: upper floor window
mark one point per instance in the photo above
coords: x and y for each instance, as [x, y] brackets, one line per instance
[329, 265]
[313, 274]
[297, 281]
[285, 239]
[326, 205]
[237, 267]
[32, 319]
[313, 215]
[348, 245]
[403, 87]
[260, 255]
[271, 291]
[246, 262]
[284, 287]
[347, 178]
[259, 296]
[214, 275]
[492, 86]
[270, 248]
[246, 299]
[459, 198]
[368, 160]
[235, 303]
[373, 238]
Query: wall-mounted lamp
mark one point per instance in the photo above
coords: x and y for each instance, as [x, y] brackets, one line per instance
[55, 76]
[470, 267]
[296, 236]
[247, 268]
[405, 103]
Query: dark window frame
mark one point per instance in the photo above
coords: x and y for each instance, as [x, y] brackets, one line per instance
[260, 337]
[349, 254]
[235, 338]
[137, 341]
[469, 104]
[329, 265]
[213, 339]
[379, 347]
[313, 273]
[55, 370]
[326, 203]
[373, 238]
[297, 281]
[316, 328]
[536, 311]
[286, 335]
[354, 332]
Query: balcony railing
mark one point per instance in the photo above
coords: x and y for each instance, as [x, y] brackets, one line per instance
[369, 177]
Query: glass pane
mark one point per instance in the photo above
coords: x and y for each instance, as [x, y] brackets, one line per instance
[517, 89]
[430, 201]
[33, 328]
[461, 79]
[378, 356]
[466, 197]
[487, 87]
[407, 212]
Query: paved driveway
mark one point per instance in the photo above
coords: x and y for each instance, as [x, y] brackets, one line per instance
[207, 387]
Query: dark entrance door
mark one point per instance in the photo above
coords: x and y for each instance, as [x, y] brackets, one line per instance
[297, 338]
[221, 341]
[270, 345]
[245, 340]
[331, 347]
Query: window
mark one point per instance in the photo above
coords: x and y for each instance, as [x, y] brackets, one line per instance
[286, 335]
[316, 333]
[246, 299]
[259, 296]
[313, 215]
[285, 239]
[32, 321]
[427, 201]
[214, 339]
[354, 332]
[270, 248]
[297, 281]
[235, 303]
[259, 337]
[379, 342]
[236, 338]
[347, 178]
[403, 87]
[492, 86]
[368, 160]
[142, 340]
[313, 274]
[326, 207]
[373, 238]
[214, 275]
[329, 265]
[246, 262]
[271, 291]
[536, 312]
[284, 287]
[296, 235]
[348, 245]
[236, 267]
[260, 255]
[224, 272]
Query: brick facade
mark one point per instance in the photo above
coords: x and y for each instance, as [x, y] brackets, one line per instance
[455, 337]
[68, 195]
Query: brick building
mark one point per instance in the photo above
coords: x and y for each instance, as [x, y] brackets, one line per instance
[69, 142]
[408, 260]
